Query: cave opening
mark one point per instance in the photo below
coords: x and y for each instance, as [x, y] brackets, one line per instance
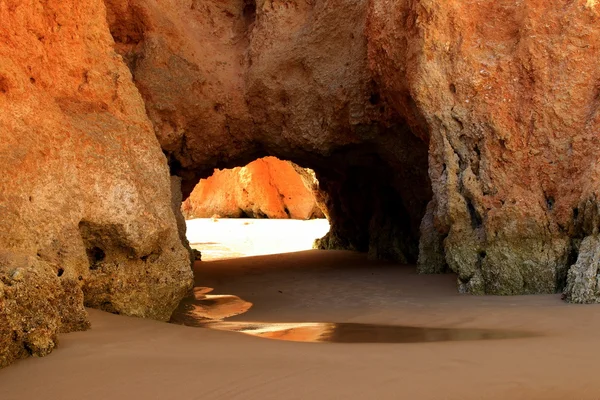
[373, 196]
[268, 206]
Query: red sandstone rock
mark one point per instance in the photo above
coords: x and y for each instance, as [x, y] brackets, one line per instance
[84, 188]
[265, 188]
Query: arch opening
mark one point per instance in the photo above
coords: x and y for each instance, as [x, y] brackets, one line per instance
[373, 194]
[268, 206]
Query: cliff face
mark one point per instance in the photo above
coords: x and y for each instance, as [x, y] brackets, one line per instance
[265, 188]
[84, 188]
[508, 95]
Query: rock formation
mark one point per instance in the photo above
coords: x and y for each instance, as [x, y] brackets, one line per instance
[228, 82]
[265, 188]
[502, 96]
[464, 134]
[85, 198]
[507, 94]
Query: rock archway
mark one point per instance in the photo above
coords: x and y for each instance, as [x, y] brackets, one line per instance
[223, 89]
[377, 98]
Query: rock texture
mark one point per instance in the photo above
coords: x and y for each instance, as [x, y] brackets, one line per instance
[461, 133]
[486, 110]
[228, 82]
[85, 199]
[583, 283]
[265, 188]
[507, 93]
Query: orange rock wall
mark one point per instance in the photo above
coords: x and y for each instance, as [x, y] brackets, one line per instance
[85, 198]
[265, 188]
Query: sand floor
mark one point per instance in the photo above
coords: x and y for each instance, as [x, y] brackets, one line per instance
[226, 238]
[128, 358]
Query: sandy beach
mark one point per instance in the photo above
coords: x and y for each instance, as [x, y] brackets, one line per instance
[223, 238]
[129, 358]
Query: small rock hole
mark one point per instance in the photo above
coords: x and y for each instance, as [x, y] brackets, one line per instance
[60, 272]
[249, 12]
[95, 255]
[453, 88]
[476, 219]
[550, 202]
[375, 98]
[3, 85]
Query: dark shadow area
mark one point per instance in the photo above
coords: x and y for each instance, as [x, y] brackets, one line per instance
[376, 195]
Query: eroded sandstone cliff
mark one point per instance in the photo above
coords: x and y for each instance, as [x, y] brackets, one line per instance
[85, 198]
[508, 94]
[265, 188]
[499, 99]
[502, 94]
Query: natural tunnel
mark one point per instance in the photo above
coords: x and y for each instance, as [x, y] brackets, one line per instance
[415, 145]
[372, 170]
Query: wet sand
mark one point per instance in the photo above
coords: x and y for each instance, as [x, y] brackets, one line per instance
[128, 358]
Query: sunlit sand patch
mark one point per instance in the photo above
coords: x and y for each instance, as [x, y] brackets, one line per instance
[236, 237]
[212, 251]
[296, 332]
[200, 292]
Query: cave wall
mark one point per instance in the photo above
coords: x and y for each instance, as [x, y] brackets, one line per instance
[85, 199]
[225, 83]
[486, 110]
[507, 93]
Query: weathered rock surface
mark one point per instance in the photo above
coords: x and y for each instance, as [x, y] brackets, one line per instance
[583, 280]
[507, 93]
[499, 98]
[265, 188]
[84, 188]
[228, 82]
